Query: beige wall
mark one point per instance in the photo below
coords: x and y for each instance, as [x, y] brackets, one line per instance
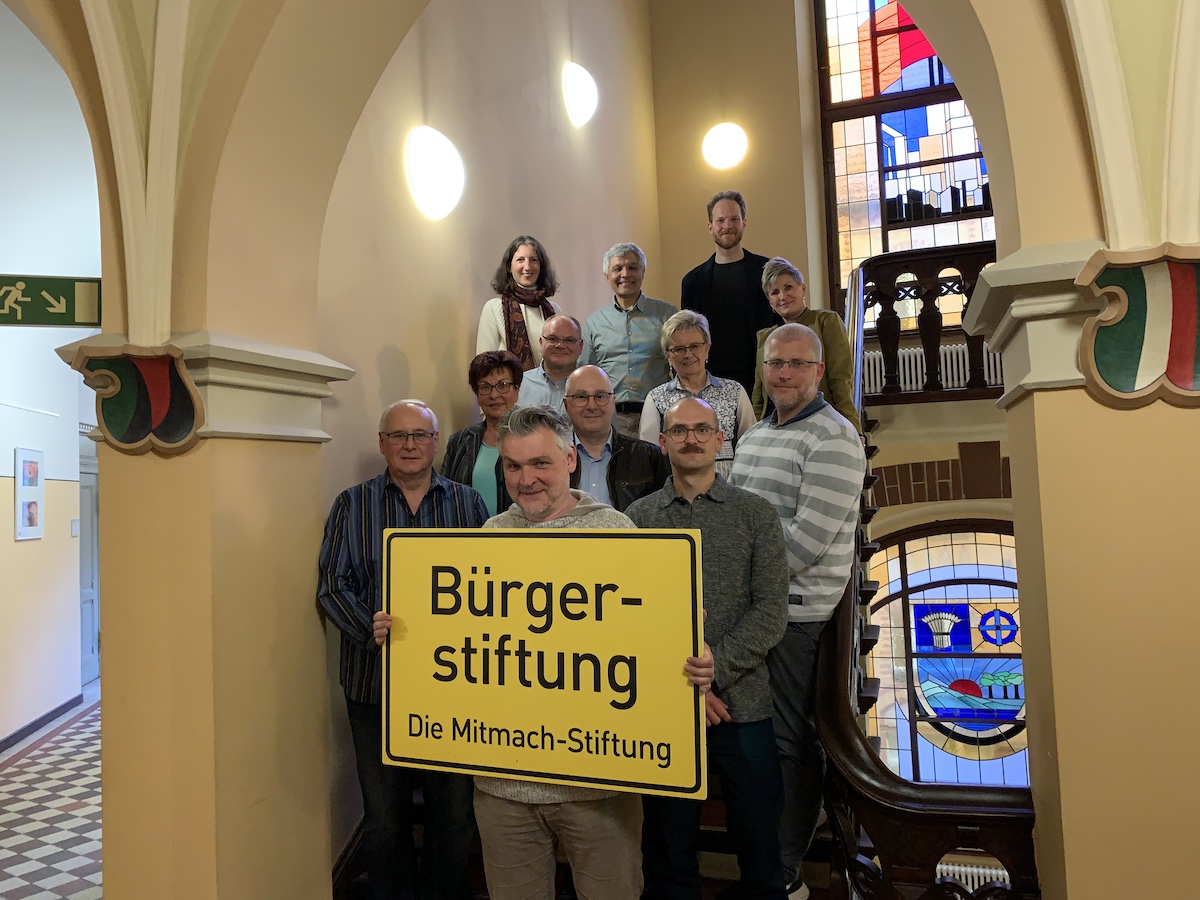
[214, 755]
[399, 297]
[715, 62]
[39, 609]
[1105, 505]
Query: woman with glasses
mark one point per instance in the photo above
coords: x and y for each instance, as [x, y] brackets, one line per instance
[787, 293]
[472, 455]
[525, 282]
[685, 341]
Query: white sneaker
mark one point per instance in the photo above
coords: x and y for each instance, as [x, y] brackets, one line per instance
[798, 891]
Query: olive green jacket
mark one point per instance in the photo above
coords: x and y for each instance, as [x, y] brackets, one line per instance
[835, 383]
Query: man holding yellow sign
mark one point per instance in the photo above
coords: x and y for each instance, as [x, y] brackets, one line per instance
[745, 596]
[550, 677]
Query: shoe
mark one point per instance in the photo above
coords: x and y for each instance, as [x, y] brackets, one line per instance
[797, 890]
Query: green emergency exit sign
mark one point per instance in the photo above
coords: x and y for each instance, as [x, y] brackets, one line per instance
[39, 300]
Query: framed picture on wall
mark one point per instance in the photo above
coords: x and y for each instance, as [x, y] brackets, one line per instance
[30, 493]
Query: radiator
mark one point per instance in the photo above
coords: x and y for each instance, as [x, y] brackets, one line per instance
[972, 877]
[955, 368]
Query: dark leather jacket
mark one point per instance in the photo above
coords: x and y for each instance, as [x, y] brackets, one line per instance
[636, 468]
[461, 452]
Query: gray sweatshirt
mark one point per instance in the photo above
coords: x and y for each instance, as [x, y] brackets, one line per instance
[589, 513]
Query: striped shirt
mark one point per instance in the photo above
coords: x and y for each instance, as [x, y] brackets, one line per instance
[350, 580]
[810, 468]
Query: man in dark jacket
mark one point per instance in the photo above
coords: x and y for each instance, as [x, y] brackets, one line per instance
[613, 468]
[727, 289]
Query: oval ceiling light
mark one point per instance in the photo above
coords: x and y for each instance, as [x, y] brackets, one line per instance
[434, 172]
[579, 93]
[725, 145]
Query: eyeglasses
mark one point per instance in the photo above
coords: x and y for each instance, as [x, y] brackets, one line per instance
[500, 387]
[561, 342]
[581, 400]
[679, 433]
[693, 349]
[777, 364]
[400, 438]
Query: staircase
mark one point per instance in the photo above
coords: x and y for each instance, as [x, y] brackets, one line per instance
[890, 835]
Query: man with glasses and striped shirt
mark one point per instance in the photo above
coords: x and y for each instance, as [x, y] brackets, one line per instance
[807, 461]
[408, 494]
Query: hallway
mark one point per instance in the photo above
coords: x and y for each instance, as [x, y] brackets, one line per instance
[50, 796]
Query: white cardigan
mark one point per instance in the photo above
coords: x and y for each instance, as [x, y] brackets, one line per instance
[491, 327]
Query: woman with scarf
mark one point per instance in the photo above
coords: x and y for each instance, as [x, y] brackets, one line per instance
[513, 321]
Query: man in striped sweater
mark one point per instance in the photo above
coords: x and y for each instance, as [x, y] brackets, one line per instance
[807, 461]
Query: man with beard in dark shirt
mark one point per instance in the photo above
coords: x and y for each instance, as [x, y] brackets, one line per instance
[727, 289]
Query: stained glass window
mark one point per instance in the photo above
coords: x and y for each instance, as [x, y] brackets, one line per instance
[904, 166]
[952, 685]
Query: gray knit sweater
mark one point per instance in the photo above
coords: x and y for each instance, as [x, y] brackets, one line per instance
[589, 513]
[745, 584]
[810, 468]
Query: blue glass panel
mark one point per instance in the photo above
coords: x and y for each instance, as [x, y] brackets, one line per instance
[991, 771]
[925, 756]
[985, 688]
[1016, 769]
[949, 573]
[941, 627]
[968, 771]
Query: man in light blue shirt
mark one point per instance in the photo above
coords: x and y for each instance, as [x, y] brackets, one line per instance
[561, 344]
[624, 338]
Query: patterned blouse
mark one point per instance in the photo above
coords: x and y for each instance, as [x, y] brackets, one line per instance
[727, 397]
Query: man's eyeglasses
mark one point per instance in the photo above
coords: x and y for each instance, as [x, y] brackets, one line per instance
[579, 401]
[400, 438]
[693, 349]
[561, 342]
[500, 387]
[777, 364]
[679, 433]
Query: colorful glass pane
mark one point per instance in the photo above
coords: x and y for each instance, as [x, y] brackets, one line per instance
[950, 621]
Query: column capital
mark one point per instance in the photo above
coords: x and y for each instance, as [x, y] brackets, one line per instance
[238, 387]
[1029, 308]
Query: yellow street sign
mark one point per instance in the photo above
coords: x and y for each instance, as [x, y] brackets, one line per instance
[546, 655]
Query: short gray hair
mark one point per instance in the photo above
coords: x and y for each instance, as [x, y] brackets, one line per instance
[417, 403]
[682, 321]
[522, 421]
[775, 267]
[624, 250]
[794, 331]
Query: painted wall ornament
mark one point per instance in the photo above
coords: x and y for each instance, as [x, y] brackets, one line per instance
[145, 398]
[1143, 346]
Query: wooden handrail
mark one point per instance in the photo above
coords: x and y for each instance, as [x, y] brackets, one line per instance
[875, 814]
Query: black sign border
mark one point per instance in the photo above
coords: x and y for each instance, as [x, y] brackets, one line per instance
[547, 777]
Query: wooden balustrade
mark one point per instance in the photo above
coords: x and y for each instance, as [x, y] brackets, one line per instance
[926, 277]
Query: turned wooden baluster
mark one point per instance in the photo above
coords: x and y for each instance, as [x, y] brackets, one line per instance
[887, 329]
[929, 325]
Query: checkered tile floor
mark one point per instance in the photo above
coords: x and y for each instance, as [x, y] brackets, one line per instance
[50, 815]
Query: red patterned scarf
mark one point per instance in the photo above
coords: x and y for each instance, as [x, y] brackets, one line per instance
[516, 335]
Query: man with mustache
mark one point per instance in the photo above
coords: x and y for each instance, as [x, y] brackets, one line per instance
[745, 600]
[726, 289]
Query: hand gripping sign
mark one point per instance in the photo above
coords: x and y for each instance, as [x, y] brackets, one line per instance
[546, 655]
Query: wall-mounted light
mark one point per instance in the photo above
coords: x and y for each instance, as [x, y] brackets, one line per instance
[579, 93]
[434, 172]
[724, 146]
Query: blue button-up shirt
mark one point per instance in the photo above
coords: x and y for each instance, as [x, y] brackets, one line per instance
[627, 344]
[350, 577]
[593, 473]
[539, 389]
